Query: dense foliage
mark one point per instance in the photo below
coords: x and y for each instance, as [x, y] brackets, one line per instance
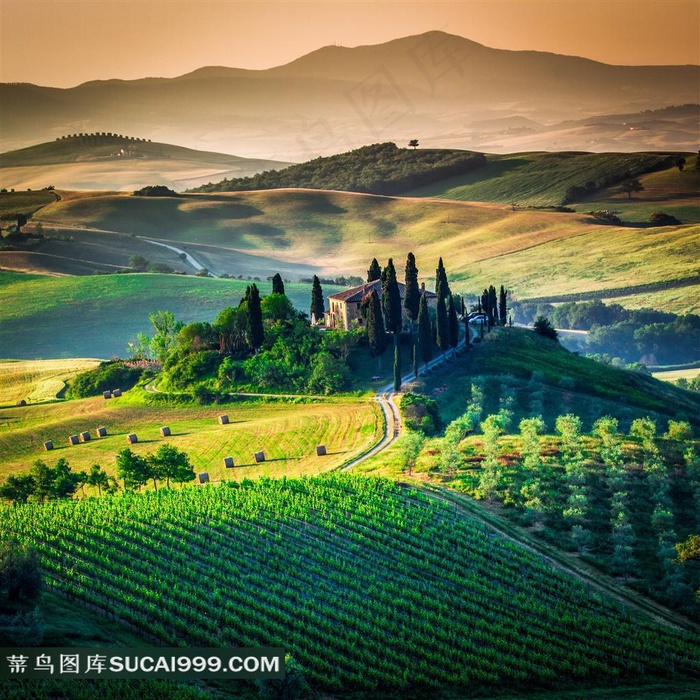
[106, 376]
[155, 191]
[382, 168]
[420, 413]
[370, 587]
[642, 335]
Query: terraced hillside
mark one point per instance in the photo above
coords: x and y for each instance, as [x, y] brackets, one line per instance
[409, 596]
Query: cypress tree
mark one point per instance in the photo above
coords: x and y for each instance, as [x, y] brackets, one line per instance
[441, 280]
[277, 284]
[493, 306]
[502, 307]
[425, 332]
[453, 323]
[391, 300]
[397, 367]
[485, 302]
[374, 272]
[442, 327]
[256, 334]
[376, 335]
[317, 304]
[411, 299]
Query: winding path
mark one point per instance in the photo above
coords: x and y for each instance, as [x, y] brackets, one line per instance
[197, 266]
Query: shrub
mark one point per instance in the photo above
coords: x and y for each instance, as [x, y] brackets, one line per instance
[20, 575]
[107, 375]
[659, 218]
[420, 413]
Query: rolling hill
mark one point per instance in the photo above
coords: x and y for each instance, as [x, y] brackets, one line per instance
[115, 162]
[420, 596]
[437, 87]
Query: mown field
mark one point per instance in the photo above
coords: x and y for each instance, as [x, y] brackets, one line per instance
[287, 432]
[370, 587]
[37, 381]
[96, 316]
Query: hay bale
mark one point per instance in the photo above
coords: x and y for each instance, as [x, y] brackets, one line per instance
[223, 420]
[85, 436]
[320, 450]
[107, 394]
[204, 478]
[132, 439]
[73, 440]
[116, 392]
[21, 402]
[48, 445]
[101, 432]
[228, 462]
[259, 457]
[165, 431]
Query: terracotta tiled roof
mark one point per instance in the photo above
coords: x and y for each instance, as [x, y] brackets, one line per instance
[357, 294]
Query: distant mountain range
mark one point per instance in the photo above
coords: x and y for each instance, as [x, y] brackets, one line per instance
[442, 89]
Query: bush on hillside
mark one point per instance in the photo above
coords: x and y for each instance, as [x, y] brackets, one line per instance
[156, 191]
[420, 413]
[113, 374]
[659, 218]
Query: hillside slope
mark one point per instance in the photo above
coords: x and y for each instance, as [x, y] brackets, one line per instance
[115, 162]
[368, 586]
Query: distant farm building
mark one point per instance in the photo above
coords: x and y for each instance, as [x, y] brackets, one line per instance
[344, 308]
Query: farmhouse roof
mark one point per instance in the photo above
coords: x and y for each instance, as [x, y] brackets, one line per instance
[359, 293]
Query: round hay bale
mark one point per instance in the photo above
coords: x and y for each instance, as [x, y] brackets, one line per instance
[223, 420]
[132, 439]
[116, 392]
[73, 440]
[228, 462]
[107, 394]
[320, 450]
[259, 457]
[101, 432]
[165, 431]
[204, 477]
[85, 436]
[48, 445]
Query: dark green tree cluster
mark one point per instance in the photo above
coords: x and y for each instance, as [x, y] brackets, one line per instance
[20, 572]
[167, 463]
[381, 168]
[106, 376]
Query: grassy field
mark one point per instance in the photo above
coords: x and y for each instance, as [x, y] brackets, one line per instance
[287, 432]
[37, 381]
[95, 316]
[536, 253]
[535, 179]
[675, 374]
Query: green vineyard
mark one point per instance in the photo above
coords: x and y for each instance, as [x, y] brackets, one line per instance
[368, 585]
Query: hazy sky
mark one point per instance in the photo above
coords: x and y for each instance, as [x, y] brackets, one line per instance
[65, 42]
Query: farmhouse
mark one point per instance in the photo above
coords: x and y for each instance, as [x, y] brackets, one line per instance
[344, 307]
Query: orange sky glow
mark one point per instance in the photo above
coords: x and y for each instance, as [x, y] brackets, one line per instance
[63, 43]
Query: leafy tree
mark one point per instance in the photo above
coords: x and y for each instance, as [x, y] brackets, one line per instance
[20, 573]
[169, 463]
[542, 326]
[425, 332]
[413, 143]
[376, 335]
[167, 328]
[276, 308]
[631, 186]
[420, 413]
[256, 332]
[374, 272]
[412, 442]
[329, 374]
[391, 300]
[98, 477]
[318, 306]
[18, 488]
[412, 294]
[133, 469]
[138, 263]
[230, 325]
[197, 336]
[679, 430]
[277, 284]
